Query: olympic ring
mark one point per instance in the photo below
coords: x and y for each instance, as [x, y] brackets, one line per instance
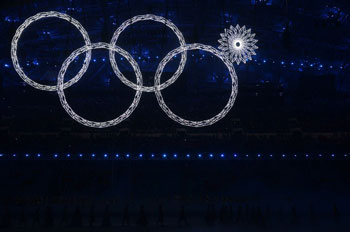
[62, 97]
[18, 34]
[234, 86]
[155, 18]
[227, 55]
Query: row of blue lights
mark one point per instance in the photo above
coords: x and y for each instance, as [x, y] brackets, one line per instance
[176, 156]
[300, 66]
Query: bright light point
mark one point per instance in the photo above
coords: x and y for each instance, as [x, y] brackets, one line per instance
[164, 155]
[282, 62]
[68, 155]
[38, 155]
[80, 155]
[283, 155]
[105, 155]
[200, 155]
[259, 155]
[246, 155]
[152, 155]
[295, 155]
[188, 156]
[127, 155]
[140, 155]
[222, 155]
[55, 155]
[117, 155]
[6, 65]
[14, 155]
[235, 155]
[175, 155]
[333, 155]
[319, 155]
[211, 155]
[271, 155]
[1, 155]
[27, 155]
[238, 44]
[93, 155]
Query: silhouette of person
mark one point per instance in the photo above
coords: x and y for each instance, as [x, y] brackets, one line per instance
[294, 216]
[239, 214]
[160, 220]
[142, 220]
[336, 214]
[22, 218]
[311, 213]
[36, 217]
[182, 217]
[207, 217]
[126, 217]
[7, 219]
[48, 221]
[92, 216]
[212, 214]
[64, 219]
[223, 214]
[267, 217]
[260, 217]
[106, 222]
[77, 218]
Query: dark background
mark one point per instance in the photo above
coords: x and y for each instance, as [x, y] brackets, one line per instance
[279, 157]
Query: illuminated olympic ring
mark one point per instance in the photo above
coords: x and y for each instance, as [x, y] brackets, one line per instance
[62, 97]
[18, 34]
[139, 83]
[155, 18]
[234, 85]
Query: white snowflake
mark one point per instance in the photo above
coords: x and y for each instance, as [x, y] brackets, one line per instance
[238, 44]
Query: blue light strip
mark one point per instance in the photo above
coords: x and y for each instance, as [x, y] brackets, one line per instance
[174, 156]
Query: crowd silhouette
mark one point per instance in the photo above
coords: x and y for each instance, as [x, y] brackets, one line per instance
[50, 213]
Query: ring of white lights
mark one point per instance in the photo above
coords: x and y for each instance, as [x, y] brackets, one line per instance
[60, 85]
[230, 102]
[155, 18]
[18, 34]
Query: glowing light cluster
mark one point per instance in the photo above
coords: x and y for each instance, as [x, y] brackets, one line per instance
[237, 44]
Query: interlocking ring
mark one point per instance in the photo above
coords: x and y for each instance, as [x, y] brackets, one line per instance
[227, 54]
[234, 85]
[18, 34]
[155, 18]
[62, 97]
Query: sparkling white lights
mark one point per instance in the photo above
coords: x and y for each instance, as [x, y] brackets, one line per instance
[238, 44]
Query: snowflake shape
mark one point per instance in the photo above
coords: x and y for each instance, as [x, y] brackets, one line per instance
[238, 44]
